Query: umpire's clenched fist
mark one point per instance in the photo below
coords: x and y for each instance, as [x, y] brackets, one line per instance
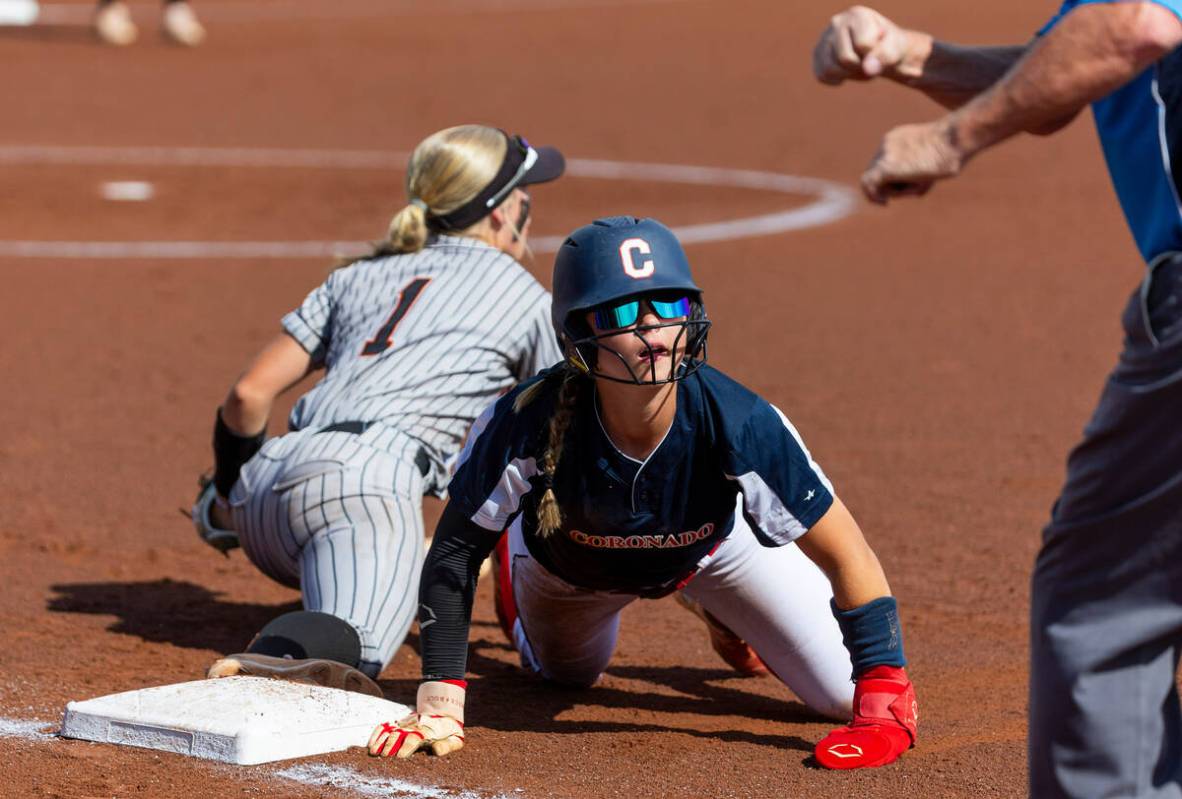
[861, 44]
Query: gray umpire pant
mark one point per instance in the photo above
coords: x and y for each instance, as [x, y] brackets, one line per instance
[1106, 604]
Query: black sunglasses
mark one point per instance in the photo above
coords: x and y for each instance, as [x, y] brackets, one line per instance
[523, 211]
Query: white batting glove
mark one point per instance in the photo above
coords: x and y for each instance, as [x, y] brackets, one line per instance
[860, 44]
[437, 725]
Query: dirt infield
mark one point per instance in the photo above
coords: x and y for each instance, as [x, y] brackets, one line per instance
[940, 357]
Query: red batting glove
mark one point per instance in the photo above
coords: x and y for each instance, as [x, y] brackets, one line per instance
[884, 726]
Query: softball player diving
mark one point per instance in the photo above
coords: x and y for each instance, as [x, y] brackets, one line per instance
[415, 340]
[632, 470]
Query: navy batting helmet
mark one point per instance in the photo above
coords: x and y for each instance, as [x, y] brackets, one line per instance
[613, 260]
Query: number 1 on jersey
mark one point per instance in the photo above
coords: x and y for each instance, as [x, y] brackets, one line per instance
[383, 339]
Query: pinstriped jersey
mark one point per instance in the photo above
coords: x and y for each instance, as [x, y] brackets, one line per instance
[642, 526]
[421, 343]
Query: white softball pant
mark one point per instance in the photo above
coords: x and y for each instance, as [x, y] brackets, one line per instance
[342, 521]
[776, 599]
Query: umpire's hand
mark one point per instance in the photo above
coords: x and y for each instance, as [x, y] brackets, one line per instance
[911, 158]
[861, 44]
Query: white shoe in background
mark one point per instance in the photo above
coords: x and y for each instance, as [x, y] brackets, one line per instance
[112, 24]
[181, 25]
[19, 12]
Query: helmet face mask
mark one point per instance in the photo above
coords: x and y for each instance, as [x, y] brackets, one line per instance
[585, 347]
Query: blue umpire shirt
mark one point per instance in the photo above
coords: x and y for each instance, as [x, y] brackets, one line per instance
[642, 526]
[1140, 128]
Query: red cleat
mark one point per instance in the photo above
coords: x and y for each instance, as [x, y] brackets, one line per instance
[734, 650]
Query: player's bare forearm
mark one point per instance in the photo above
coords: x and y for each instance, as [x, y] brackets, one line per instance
[244, 413]
[1094, 50]
[836, 544]
[280, 365]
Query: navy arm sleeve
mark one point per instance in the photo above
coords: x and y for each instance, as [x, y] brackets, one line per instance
[446, 592]
[494, 474]
[497, 468]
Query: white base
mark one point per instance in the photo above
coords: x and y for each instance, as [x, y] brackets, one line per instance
[243, 720]
[18, 12]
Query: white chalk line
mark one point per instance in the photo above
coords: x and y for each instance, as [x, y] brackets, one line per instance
[214, 13]
[27, 730]
[311, 774]
[370, 785]
[831, 201]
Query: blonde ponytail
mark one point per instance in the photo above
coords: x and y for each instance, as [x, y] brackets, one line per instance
[408, 229]
[445, 172]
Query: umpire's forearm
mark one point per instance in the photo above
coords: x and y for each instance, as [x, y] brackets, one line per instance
[1093, 51]
[953, 74]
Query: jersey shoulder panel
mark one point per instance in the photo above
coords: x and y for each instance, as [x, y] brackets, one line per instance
[784, 490]
[499, 462]
[460, 252]
[310, 324]
[503, 267]
[723, 403]
[722, 386]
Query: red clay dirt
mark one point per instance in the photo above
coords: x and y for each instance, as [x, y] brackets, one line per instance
[939, 356]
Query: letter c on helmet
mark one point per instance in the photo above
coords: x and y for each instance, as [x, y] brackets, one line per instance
[647, 266]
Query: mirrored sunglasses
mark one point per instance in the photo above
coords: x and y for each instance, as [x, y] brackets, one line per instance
[625, 314]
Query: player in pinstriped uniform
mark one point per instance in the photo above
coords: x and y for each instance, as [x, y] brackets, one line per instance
[632, 470]
[416, 339]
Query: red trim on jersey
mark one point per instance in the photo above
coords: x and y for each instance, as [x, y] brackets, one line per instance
[684, 581]
[506, 605]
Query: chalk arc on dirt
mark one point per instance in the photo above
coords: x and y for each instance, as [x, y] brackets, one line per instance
[830, 201]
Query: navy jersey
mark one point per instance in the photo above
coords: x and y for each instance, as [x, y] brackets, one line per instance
[642, 526]
[1140, 128]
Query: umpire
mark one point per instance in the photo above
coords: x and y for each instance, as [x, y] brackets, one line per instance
[1106, 612]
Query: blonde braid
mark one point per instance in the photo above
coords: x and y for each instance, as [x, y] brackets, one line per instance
[549, 514]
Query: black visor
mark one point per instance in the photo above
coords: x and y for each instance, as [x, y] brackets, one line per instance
[523, 166]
